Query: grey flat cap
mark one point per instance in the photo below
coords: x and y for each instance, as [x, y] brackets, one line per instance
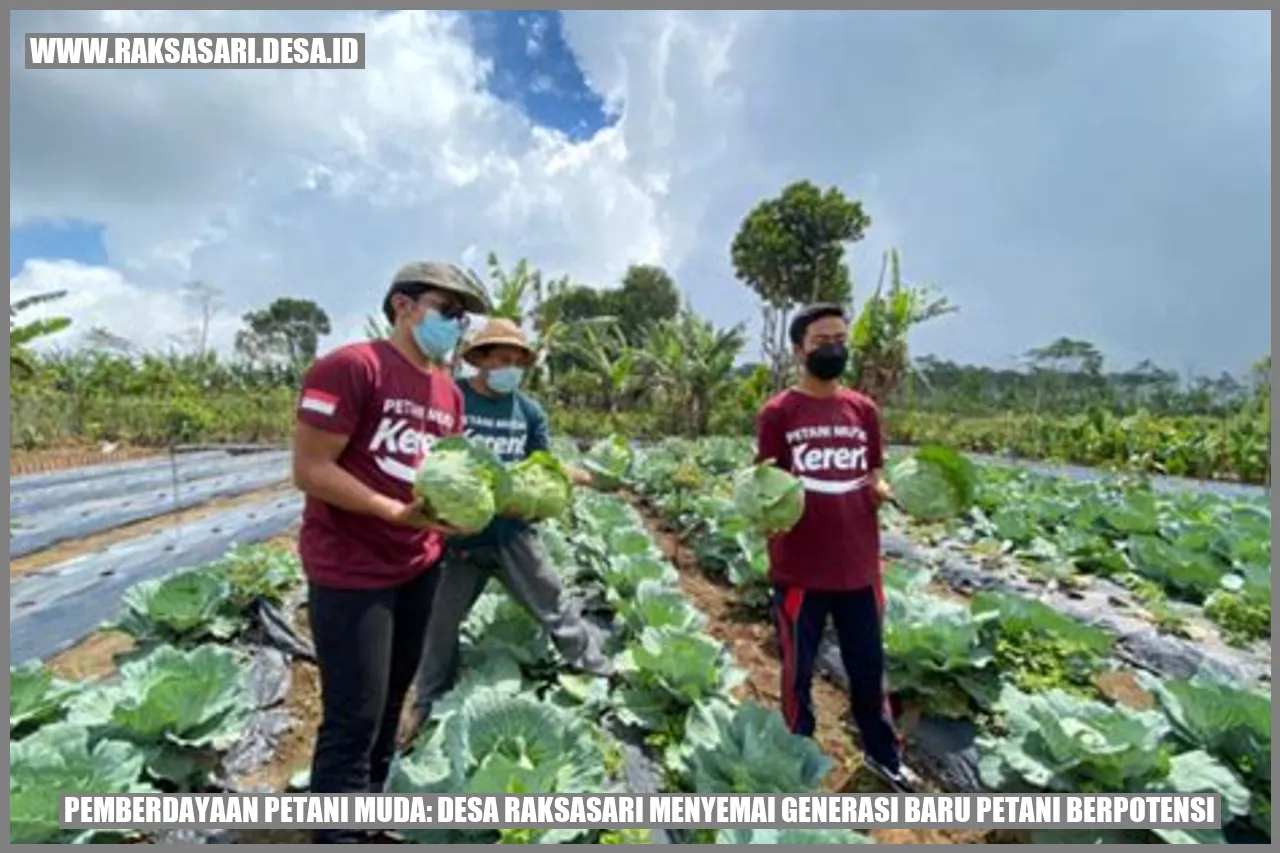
[475, 298]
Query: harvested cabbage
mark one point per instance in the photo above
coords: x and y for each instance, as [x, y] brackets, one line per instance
[932, 483]
[537, 489]
[770, 498]
[457, 481]
[480, 453]
[610, 461]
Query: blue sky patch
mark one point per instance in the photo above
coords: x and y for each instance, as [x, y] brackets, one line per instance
[72, 239]
[534, 68]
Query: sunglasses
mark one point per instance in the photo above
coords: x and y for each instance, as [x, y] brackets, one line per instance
[449, 306]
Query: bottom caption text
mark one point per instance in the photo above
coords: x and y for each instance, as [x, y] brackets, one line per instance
[854, 811]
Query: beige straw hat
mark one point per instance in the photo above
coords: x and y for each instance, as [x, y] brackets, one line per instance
[498, 332]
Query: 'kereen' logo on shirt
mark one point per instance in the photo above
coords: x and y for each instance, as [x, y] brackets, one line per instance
[830, 449]
[506, 437]
[397, 435]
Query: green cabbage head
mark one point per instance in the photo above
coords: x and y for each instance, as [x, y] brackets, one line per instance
[770, 498]
[537, 489]
[457, 480]
[933, 483]
[610, 461]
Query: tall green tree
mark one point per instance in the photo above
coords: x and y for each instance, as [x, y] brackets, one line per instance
[790, 250]
[285, 333]
[648, 295]
[564, 312]
[1067, 368]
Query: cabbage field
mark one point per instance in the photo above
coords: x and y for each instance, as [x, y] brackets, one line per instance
[1059, 636]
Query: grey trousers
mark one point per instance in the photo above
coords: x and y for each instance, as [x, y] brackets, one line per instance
[520, 565]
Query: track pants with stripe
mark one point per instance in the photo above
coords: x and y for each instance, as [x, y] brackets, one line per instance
[800, 618]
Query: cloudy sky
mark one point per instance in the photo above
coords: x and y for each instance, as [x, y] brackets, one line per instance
[1103, 175]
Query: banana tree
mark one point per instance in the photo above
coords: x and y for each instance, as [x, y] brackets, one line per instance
[21, 362]
[603, 353]
[376, 328]
[558, 336]
[879, 356]
[692, 362]
[511, 291]
[520, 296]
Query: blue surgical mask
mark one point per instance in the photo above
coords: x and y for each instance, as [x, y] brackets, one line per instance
[504, 380]
[437, 335]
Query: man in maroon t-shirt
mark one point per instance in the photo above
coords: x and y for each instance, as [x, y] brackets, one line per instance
[367, 415]
[828, 565]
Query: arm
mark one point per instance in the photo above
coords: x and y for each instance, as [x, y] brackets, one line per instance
[579, 476]
[540, 439]
[333, 393]
[875, 455]
[316, 472]
[771, 441]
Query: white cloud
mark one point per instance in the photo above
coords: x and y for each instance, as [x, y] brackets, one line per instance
[320, 184]
[101, 297]
[1029, 177]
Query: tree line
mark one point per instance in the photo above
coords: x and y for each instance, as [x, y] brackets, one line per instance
[634, 355]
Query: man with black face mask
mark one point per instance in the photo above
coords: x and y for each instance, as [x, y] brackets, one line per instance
[828, 565]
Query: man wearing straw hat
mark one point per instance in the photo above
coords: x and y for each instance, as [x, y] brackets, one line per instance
[513, 426]
[367, 415]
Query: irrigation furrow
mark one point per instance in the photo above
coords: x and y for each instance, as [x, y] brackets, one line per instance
[76, 492]
[64, 524]
[52, 610]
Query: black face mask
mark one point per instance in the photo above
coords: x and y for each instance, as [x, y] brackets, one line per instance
[827, 362]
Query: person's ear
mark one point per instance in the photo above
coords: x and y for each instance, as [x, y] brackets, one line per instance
[400, 305]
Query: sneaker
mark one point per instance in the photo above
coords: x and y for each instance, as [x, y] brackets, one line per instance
[903, 780]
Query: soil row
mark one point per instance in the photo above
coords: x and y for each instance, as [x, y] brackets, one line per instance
[755, 650]
[23, 462]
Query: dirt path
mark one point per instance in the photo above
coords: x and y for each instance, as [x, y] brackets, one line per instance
[91, 659]
[755, 650]
[42, 461]
[64, 551]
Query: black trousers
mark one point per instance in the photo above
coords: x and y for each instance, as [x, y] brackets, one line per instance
[800, 617]
[368, 644]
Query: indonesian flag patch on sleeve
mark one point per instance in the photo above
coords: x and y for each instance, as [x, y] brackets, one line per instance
[318, 402]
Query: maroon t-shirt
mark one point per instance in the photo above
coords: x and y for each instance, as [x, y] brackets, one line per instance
[832, 444]
[393, 410]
